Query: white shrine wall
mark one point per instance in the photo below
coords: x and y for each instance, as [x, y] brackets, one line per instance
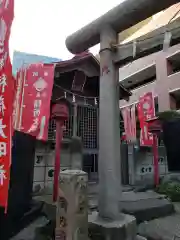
[44, 167]
[144, 171]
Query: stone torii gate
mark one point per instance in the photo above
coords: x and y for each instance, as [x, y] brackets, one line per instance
[105, 30]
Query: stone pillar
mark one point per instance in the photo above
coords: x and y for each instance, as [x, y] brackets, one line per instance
[72, 207]
[76, 153]
[75, 120]
[163, 69]
[131, 164]
[109, 130]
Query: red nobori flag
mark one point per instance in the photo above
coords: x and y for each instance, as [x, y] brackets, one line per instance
[6, 98]
[5, 133]
[7, 6]
[146, 110]
[6, 18]
[127, 122]
[129, 118]
[34, 112]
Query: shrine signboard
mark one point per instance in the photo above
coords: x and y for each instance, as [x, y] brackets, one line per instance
[33, 104]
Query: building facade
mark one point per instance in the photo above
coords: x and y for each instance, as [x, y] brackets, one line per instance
[158, 73]
[22, 59]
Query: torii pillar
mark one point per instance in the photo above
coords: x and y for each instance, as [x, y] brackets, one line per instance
[105, 30]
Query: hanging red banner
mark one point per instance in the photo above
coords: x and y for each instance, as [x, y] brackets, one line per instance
[146, 111]
[129, 118]
[126, 118]
[5, 134]
[33, 116]
[6, 99]
[7, 6]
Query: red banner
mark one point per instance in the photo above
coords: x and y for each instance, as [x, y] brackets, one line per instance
[36, 82]
[6, 98]
[133, 123]
[146, 110]
[126, 118]
[129, 118]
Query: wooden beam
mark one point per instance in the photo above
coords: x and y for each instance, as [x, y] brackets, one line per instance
[147, 44]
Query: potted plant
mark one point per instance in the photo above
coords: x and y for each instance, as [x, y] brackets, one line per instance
[170, 121]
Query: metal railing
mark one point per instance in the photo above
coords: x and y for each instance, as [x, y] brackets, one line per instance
[86, 125]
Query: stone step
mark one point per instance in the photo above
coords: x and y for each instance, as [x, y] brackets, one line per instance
[10, 227]
[93, 188]
[144, 206]
[29, 232]
[145, 210]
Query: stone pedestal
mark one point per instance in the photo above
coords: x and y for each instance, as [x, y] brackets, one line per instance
[123, 228]
[72, 208]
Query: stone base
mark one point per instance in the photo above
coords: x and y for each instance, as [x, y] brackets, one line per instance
[124, 228]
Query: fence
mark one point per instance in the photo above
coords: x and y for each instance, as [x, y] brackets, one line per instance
[86, 125]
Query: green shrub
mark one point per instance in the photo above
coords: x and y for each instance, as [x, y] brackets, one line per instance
[171, 190]
[168, 115]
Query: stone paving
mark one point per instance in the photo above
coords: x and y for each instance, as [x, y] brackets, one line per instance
[28, 233]
[166, 228]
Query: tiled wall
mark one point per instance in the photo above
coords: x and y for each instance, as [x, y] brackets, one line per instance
[44, 164]
[144, 165]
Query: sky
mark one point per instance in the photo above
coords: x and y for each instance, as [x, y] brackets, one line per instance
[41, 26]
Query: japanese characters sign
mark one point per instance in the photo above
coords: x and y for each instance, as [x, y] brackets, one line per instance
[33, 115]
[146, 111]
[6, 98]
